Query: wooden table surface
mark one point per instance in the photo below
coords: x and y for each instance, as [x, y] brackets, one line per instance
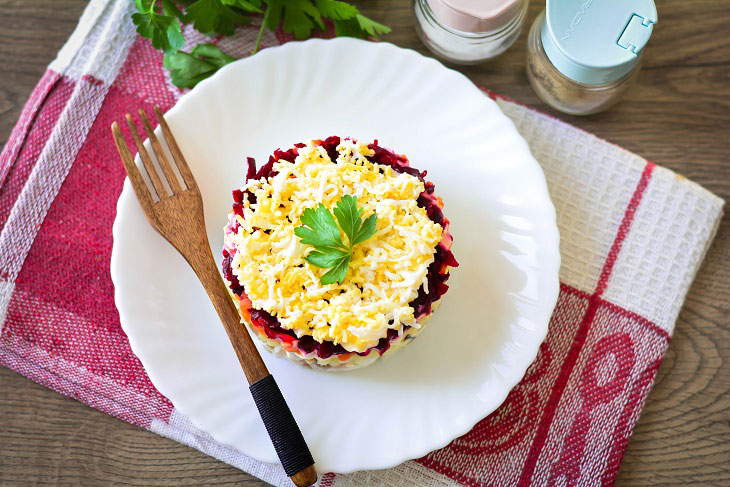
[677, 115]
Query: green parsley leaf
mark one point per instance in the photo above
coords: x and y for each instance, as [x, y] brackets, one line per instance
[213, 54]
[244, 5]
[326, 259]
[159, 21]
[213, 17]
[299, 17]
[320, 231]
[367, 229]
[163, 30]
[336, 10]
[337, 273]
[274, 10]
[348, 216]
[373, 28]
[188, 69]
[169, 8]
[360, 27]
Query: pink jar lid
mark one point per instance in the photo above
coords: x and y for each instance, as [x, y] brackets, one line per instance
[475, 15]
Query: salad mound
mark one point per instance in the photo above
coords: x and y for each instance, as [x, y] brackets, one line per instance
[336, 251]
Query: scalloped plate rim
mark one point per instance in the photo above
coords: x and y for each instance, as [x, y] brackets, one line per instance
[159, 382]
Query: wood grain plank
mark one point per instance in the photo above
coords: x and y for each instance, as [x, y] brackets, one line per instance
[46, 438]
[677, 115]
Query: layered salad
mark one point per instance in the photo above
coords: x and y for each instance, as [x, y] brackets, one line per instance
[336, 252]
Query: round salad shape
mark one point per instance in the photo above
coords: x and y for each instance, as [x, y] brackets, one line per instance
[395, 274]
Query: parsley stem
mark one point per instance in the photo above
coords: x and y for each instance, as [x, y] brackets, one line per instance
[261, 30]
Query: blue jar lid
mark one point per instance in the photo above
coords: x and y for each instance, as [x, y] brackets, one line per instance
[596, 41]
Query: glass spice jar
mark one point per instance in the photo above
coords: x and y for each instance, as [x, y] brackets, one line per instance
[582, 55]
[469, 31]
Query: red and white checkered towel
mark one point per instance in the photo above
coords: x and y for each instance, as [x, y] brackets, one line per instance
[633, 236]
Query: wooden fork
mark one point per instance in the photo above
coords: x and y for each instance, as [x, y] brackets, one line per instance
[179, 218]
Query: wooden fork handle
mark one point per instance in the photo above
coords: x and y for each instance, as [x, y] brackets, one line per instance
[179, 219]
[278, 419]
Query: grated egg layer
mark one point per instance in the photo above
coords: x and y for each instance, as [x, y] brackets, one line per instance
[386, 270]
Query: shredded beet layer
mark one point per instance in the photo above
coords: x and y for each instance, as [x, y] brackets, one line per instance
[436, 275]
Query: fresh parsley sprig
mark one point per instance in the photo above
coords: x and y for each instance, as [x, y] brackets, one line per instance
[320, 231]
[159, 21]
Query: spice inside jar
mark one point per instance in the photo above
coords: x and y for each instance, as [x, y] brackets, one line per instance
[582, 56]
[469, 31]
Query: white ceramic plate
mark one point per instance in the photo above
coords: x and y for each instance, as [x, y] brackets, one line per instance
[478, 344]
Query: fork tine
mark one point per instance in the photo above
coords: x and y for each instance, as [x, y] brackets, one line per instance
[140, 188]
[151, 172]
[182, 164]
[161, 157]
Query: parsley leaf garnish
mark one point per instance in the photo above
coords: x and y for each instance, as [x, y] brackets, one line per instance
[320, 230]
[159, 21]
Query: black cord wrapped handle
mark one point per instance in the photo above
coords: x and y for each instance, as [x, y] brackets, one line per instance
[283, 430]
